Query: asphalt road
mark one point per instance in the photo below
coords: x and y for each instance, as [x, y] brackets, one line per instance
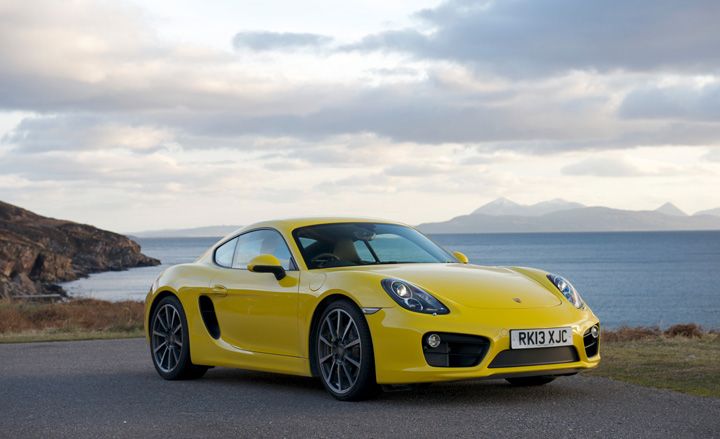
[110, 389]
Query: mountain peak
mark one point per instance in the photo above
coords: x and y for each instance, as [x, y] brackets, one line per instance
[505, 207]
[498, 206]
[502, 201]
[670, 209]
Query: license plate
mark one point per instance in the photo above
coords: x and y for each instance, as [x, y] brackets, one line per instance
[540, 338]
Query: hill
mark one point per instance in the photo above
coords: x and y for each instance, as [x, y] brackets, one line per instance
[712, 212]
[37, 252]
[578, 219]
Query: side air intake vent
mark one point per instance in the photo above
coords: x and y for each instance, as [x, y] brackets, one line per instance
[207, 310]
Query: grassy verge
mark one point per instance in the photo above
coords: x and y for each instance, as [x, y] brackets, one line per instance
[71, 320]
[684, 358]
[49, 335]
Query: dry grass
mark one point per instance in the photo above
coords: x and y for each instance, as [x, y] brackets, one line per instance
[682, 358]
[90, 317]
[625, 333]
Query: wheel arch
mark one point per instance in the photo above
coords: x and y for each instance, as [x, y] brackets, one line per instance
[158, 297]
[319, 309]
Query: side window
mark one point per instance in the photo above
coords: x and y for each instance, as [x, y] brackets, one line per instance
[258, 243]
[224, 253]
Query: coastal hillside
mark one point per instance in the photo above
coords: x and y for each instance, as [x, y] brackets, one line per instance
[36, 252]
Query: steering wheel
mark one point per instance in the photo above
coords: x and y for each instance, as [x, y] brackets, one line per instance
[323, 259]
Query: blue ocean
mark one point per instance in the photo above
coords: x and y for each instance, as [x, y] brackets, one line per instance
[628, 278]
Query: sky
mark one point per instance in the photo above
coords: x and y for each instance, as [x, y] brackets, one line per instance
[154, 114]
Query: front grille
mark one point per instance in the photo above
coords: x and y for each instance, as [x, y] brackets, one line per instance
[535, 357]
[592, 344]
[456, 350]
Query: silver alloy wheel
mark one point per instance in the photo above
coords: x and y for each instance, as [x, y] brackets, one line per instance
[167, 338]
[339, 351]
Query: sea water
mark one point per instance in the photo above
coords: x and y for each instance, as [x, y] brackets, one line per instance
[629, 278]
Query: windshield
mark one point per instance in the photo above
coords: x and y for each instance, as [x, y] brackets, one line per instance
[348, 244]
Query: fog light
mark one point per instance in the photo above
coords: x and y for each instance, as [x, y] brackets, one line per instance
[594, 332]
[433, 340]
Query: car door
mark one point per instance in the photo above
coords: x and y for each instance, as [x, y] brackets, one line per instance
[255, 311]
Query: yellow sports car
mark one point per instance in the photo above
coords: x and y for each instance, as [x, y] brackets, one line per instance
[361, 303]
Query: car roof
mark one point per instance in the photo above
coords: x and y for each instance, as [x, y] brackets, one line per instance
[287, 225]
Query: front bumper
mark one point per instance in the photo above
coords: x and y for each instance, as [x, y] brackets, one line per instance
[397, 336]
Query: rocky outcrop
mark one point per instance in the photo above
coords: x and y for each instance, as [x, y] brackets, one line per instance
[36, 252]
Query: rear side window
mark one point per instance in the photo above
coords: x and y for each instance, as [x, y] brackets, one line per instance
[261, 242]
[224, 253]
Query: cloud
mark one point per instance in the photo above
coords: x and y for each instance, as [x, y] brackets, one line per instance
[525, 38]
[673, 102]
[713, 155]
[123, 88]
[265, 40]
[82, 132]
[602, 167]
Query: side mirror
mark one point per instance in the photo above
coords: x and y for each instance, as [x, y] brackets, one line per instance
[267, 264]
[461, 257]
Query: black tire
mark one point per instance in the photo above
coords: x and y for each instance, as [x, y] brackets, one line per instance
[531, 381]
[173, 362]
[350, 347]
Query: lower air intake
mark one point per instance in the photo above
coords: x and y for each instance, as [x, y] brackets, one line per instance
[535, 357]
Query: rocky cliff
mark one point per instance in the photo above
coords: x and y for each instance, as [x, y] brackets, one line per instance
[37, 252]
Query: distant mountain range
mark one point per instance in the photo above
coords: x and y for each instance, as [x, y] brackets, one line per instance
[196, 232]
[714, 212]
[506, 216]
[503, 206]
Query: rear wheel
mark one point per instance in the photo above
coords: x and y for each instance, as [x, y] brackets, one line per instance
[169, 342]
[530, 381]
[344, 353]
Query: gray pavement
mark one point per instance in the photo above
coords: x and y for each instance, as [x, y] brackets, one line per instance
[110, 389]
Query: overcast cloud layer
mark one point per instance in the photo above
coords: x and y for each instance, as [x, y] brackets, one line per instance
[603, 102]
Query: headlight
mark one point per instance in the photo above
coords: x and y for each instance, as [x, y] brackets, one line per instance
[566, 289]
[413, 298]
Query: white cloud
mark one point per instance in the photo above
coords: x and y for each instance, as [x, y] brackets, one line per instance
[602, 167]
[265, 40]
[712, 155]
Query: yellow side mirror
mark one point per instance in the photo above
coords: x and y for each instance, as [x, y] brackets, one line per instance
[267, 264]
[461, 257]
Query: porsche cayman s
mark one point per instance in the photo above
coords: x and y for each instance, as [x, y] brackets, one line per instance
[361, 303]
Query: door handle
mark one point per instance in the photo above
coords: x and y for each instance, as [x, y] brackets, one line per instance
[219, 290]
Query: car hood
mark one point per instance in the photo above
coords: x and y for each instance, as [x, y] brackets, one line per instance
[472, 285]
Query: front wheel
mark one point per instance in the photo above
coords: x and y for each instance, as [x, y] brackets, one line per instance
[344, 353]
[169, 342]
[531, 381]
